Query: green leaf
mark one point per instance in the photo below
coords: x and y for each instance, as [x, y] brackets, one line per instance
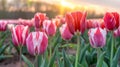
[104, 64]
[66, 60]
[82, 54]
[43, 63]
[100, 60]
[39, 60]
[2, 49]
[116, 57]
[27, 61]
[51, 62]
[84, 63]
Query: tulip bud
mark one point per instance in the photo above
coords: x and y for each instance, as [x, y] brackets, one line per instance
[38, 19]
[65, 33]
[49, 27]
[19, 34]
[97, 37]
[3, 25]
[37, 43]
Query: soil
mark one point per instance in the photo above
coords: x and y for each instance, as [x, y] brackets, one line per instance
[14, 61]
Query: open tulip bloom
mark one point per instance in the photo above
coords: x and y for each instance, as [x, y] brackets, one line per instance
[76, 21]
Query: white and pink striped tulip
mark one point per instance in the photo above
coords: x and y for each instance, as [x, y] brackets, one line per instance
[19, 35]
[49, 27]
[37, 42]
[65, 32]
[97, 37]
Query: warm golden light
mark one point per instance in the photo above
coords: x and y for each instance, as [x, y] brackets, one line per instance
[67, 4]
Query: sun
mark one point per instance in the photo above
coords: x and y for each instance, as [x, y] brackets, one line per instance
[65, 3]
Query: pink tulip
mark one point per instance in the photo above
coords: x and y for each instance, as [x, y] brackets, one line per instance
[112, 20]
[117, 32]
[93, 23]
[25, 22]
[65, 33]
[19, 35]
[38, 19]
[37, 43]
[3, 25]
[76, 21]
[97, 37]
[49, 27]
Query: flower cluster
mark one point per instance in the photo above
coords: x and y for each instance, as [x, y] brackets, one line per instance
[73, 23]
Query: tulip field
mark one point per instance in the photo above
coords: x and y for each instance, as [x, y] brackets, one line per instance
[71, 40]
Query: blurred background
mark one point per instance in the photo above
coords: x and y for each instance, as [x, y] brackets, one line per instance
[14, 9]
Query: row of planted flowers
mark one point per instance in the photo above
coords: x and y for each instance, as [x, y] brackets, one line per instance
[74, 23]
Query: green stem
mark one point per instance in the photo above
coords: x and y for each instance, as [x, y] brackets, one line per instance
[112, 48]
[50, 46]
[98, 53]
[78, 50]
[35, 61]
[20, 56]
[50, 50]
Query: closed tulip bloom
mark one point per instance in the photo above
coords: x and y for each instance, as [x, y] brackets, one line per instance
[97, 37]
[19, 35]
[65, 33]
[117, 32]
[76, 21]
[38, 19]
[37, 43]
[111, 20]
[3, 25]
[49, 27]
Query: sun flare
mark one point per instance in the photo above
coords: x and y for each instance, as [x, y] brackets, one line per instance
[67, 4]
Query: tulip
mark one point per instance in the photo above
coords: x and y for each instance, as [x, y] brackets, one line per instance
[117, 19]
[56, 22]
[97, 37]
[49, 27]
[25, 22]
[19, 35]
[93, 23]
[3, 25]
[112, 20]
[76, 21]
[117, 32]
[37, 43]
[38, 19]
[65, 33]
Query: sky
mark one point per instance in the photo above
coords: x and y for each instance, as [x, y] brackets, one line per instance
[110, 5]
[105, 3]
